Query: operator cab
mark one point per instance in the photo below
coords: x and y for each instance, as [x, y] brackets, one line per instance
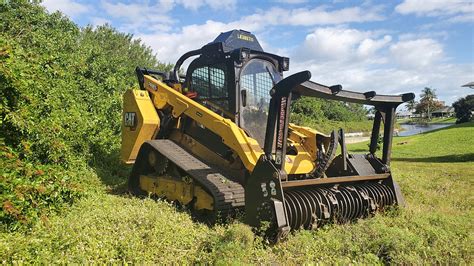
[233, 77]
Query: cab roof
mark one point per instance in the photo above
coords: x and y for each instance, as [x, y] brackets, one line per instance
[236, 39]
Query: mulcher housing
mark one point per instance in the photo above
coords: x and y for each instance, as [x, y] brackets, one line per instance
[218, 139]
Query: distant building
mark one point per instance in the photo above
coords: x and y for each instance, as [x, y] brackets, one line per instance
[446, 111]
[370, 116]
[404, 114]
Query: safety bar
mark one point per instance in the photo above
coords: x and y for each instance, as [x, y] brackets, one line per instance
[181, 61]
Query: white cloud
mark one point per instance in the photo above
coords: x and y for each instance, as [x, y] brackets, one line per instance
[320, 16]
[143, 16]
[434, 7]
[445, 78]
[213, 4]
[193, 5]
[68, 7]
[218, 4]
[98, 21]
[369, 46]
[137, 17]
[358, 59]
[341, 44]
[137, 11]
[417, 53]
[291, 1]
[365, 60]
[144, 8]
[462, 18]
[315, 16]
[169, 46]
[459, 10]
[425, 34]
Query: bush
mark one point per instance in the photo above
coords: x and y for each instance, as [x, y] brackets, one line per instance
[61, 92]
[316, 109]
[326, 115]
[463, 108]
[31, 191]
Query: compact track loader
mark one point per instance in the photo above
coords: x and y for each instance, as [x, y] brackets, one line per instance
[218, 139]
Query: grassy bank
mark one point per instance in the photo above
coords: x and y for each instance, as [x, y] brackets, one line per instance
[435, 120]
[435, 171]
[349, 126]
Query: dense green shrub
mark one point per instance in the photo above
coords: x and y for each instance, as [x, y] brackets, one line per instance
[30, 191]
[61, 88]
[327, 114]
[464, 108]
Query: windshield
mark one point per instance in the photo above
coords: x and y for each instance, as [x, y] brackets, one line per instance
[257, 79]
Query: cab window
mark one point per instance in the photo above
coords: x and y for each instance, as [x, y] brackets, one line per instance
[210, 83]
[257, 79]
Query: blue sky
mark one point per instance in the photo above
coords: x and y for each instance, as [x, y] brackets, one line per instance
[387, 46]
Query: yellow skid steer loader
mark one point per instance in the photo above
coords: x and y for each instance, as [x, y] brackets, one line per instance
[218, 139]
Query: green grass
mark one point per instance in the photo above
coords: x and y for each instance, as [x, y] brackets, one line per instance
[435, 171]
[434, 120]
[327, 127]
[443, 120]
[349, 126]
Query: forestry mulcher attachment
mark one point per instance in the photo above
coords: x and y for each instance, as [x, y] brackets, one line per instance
[218, 140]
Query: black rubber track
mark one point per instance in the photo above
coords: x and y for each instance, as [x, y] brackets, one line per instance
[229, 196]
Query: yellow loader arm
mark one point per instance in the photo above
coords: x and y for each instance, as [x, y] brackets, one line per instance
[164, 96]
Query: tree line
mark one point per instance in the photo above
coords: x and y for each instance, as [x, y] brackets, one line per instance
[61, 89]
[429, 103]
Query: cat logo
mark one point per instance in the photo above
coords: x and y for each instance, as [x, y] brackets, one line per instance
[130, 120]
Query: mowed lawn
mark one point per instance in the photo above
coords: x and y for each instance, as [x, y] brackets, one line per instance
[435, 171]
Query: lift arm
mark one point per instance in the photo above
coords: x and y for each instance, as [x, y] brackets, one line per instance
[164, 96]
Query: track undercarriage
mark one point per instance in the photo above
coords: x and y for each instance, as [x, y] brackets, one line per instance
[168, 171]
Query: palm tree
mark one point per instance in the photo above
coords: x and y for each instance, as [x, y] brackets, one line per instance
[411, 105]
[428, 95]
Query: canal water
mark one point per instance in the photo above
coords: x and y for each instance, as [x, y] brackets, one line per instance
[413, 129]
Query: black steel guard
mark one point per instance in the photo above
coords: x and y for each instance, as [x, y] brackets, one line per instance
[278, 116]
[299, 85]
[385, 105]
[313, 89]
